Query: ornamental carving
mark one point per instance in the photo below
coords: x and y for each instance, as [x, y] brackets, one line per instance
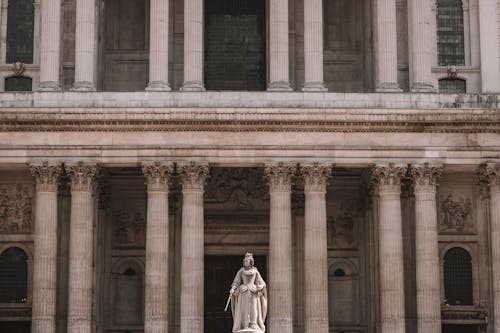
[280, 175]
[456, 214]
[82, 176]
[390, 174]
[46, 175]
[316, 176]
[157, 175]
[426, 174]
[341, 229]
[489, 178]
[129, 229]
[193, 175]
[238, 188]
[16, 209]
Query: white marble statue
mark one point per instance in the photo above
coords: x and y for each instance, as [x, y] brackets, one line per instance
[248, 299]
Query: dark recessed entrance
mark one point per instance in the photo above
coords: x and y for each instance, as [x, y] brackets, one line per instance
[235, 47]
[15, 326]
[219, 274]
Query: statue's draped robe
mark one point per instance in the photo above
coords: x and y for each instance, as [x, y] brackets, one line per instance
[248, 304]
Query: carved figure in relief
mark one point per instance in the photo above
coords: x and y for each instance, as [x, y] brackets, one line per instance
[15, 209]
[341, 230]
[248, 299]
[455, 214]
[129, 229]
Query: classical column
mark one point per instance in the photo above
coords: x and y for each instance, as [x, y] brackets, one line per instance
[490, 175]
[81, 245]
[313, 45]
[387, 59]
[488, 37]
[85, 46]
[278, 46]
[426, 251]
[193, 46]
[156, 318]
[45, 252]
[315, 248]
[50, 45]
[421, 47]
[193, 176]
[392, 298]
[279, 176]
[158, 46]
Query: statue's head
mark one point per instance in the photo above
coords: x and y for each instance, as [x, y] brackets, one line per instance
[248, 260]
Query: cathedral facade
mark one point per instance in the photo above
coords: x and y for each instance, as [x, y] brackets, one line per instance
[352, 146]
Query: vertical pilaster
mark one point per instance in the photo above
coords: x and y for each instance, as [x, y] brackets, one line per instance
[421, 47]
[158, 46]
[488, 37]
[193, 46]
[45, 253]
[387, 60]
[392, 298]
[50, 46]
[315, 248]
[82, 177]
[426, 251]
[85, 46]
[279, 176]
[313, 45]
[156, 319]
[193, 177]
[279, 71]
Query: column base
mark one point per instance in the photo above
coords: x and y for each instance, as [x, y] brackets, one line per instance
[49, 86]
[192, 86]
[83, 86]
[158, 86]
[279, 86]
[388, 87]
[314, 87]
[423, 87]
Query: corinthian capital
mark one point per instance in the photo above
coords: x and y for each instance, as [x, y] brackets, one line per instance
[425, 175]
[82, 176]
[388, 175]
[279, 175]
[316, 175]
[193, 175]
[489, 176]
[157, 175]
[46, 175]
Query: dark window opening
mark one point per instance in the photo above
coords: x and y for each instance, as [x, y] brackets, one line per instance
[458, 277]
[20, 31]
[13, 276]
[18, 83]
[450, 33]
[452, 86]
[129, 272]
[339, 272]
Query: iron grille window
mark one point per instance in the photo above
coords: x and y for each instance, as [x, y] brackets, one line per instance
[18, 83]
[458, 277]
[13, 276]
[450, 33]
[452, 86]
[20, 30]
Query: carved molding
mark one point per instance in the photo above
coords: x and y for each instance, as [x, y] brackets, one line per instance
[280, 175]
[425, 176]
[388, 175]
[82, 176]
[193, 175]
[46, 176]
[16, 209]
[157, 175]
[316, 176]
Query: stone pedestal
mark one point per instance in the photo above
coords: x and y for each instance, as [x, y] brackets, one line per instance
[427, 252]
[50, 45]
[279, 79]
[81, 247]
[156, 314]
[85, 46]
[280, 318]
[45, 251]
[192, 246]
[158, 49]
[193, 46]
[392, 298]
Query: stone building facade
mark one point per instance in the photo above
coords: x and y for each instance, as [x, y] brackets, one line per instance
[353, 146]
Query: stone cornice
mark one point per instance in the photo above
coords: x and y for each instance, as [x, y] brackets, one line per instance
[249, 120]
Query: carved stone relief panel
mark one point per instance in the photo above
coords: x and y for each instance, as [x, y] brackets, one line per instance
[129, 228]
[225, 230]
[16, 212]
[342, 226]
[455, 205]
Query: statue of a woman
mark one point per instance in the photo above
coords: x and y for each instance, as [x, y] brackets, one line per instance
[248, 299]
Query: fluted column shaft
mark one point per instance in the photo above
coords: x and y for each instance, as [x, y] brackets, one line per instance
[387, 59]
[192, 247]
[426, 249]
[156, 315]
[85, 46]
[315, 248]
[279, 79]
[50, 45]
[421, 48]
[392, 301]
[45, 248]
[81, 247]
[488, 37]
[193, 46]
[313, 45]
[158, 46]
[280, 247]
